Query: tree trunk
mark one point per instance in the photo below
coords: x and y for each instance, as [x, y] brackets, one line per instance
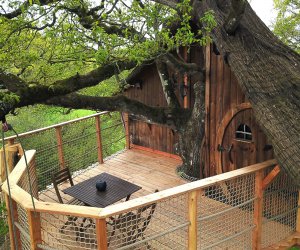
[268, 73]
[191, 135]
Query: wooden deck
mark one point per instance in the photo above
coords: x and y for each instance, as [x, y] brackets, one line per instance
[149, 170]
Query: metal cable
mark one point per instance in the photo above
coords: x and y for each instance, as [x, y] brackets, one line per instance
[9, 194]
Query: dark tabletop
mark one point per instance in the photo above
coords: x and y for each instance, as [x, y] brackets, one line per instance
[116, 190]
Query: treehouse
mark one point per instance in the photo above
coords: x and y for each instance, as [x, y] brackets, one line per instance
[232, 140]
[254, 207]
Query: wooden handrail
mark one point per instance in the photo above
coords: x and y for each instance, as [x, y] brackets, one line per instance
[182, 189]
[22, 197]
[55, 126]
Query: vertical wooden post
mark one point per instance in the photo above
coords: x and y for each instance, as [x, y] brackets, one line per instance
[11, 141]
[207, 105]
[127, 133]
[34, 222]
[60, 147]
[99, 139]
[192, 205]
[298, 214]
[13, 240]
[258, 210]
[101, 234]
[11, 151]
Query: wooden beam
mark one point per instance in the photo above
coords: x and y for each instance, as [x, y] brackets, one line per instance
[258, 210]
[99, 139]
[192, 213]
[101, 234]
[11, 152]
[177, 157]
[34, 222]
[207, 105]
[298, 214]
[127, 130]
[12, 216]
[60, 147]
[270, 177]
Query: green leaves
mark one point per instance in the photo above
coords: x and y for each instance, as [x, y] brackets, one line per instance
[287, 26]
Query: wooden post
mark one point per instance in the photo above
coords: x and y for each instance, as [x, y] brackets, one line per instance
[298, 214]
[258, 210]
[101, 234]
[127, 133]
[11, 153]
[13, 240]
[99, 139]
[192, 202]
[60, 147]
[34, 222]
[207, 106]
[11, 141]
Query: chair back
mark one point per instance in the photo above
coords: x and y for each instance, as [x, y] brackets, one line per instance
[60, 177]
[151, 209]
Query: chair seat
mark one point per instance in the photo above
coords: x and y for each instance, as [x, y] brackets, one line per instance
[74, 201]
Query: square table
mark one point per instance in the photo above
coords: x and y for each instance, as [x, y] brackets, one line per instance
[116, 190]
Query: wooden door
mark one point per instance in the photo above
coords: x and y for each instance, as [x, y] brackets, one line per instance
[241, 142]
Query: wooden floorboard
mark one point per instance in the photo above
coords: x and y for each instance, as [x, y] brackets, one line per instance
[152, 171]
[146, 169]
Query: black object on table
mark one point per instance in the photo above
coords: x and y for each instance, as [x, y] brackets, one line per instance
[116, 190]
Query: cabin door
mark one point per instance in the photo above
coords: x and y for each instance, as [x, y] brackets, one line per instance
[237, 140]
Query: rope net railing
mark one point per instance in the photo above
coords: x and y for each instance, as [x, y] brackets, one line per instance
[219, 212]
[73, 144]
[220, 216]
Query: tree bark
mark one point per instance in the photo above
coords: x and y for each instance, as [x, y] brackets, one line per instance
[269, 74]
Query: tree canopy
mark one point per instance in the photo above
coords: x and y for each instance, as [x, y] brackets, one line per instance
[49, 49]
[287, 25]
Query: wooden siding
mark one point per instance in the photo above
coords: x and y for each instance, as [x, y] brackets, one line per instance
[153, 136]
[226, 95]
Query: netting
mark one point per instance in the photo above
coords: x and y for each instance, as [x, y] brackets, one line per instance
[225, 214]
[161, 225]
[279, 210]
[33, 184]
[23, 227]
[68, 231]
[45, 144]
[79, 145]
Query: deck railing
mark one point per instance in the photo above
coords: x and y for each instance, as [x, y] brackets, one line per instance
[76, 144]
[235, 210]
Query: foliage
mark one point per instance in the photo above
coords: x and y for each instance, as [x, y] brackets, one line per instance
[287, 26]
[3, 222]
[67, 48]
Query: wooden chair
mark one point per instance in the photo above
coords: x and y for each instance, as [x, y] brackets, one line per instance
[59, 177]
[132, 225]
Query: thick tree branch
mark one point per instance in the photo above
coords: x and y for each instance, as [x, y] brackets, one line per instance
[35, 93]
[170, 3]
[179, 65]
[24, 7]
[116, 103]
[167, 85]
[235, 15]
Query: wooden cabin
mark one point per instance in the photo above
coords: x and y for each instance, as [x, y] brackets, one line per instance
[233, 139]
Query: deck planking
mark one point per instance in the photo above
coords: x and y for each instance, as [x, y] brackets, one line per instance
[149, 170]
